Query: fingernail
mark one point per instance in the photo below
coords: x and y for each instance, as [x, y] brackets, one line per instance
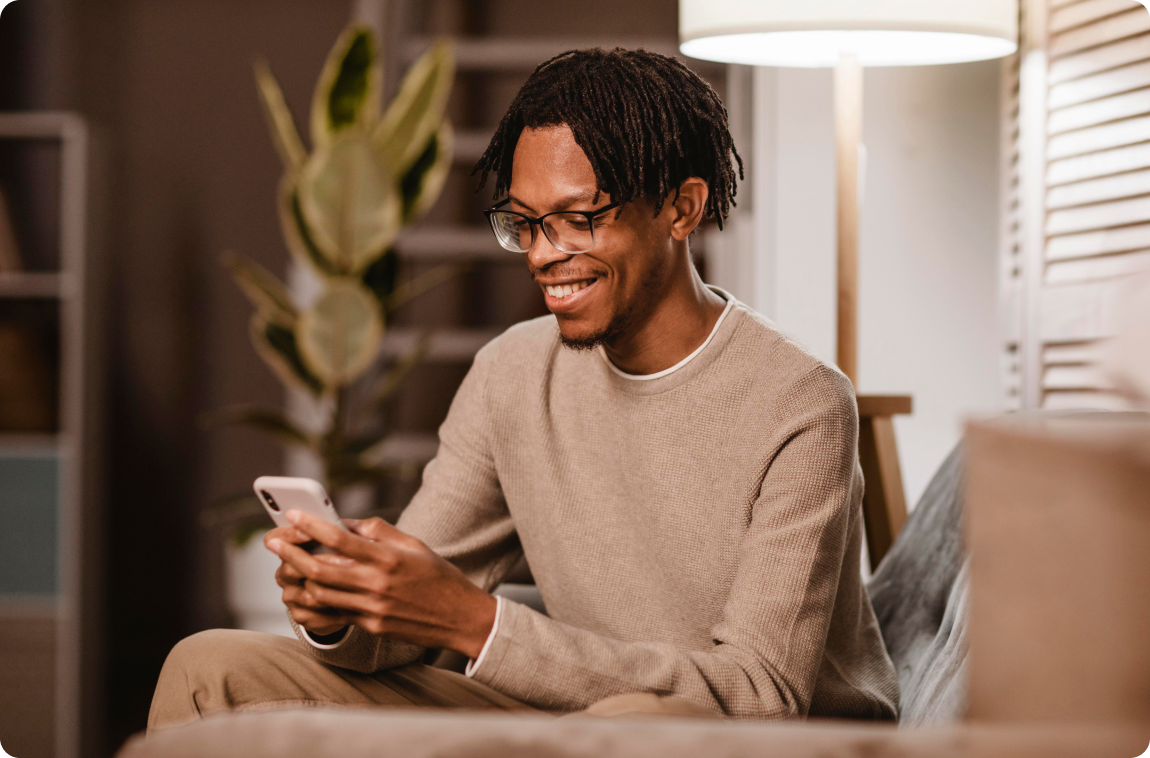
[293, 516]
[274, 545]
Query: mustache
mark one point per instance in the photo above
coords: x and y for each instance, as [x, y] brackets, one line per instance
[564, 270]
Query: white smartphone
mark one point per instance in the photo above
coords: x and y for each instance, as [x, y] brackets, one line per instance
[280, 494]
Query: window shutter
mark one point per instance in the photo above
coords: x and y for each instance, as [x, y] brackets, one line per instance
[1076, 192]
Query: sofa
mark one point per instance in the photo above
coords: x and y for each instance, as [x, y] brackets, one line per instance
[922, 594]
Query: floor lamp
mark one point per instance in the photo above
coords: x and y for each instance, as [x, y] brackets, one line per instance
[847, 35]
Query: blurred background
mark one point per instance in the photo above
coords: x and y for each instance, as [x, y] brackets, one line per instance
[179, 168]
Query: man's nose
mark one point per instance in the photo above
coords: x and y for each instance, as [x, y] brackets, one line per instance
[543, 253]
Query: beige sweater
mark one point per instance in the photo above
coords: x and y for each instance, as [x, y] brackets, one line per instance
[696, 534]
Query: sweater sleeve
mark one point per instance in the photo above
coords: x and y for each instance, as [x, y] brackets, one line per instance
[459, 512]
[769, 643]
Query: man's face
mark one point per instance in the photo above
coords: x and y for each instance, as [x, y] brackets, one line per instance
[617, 284]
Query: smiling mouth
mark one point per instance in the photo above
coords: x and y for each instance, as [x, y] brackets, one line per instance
[561, 291]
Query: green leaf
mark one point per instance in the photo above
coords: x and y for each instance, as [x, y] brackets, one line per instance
[276, 344]
[339, 335]
[417, 111]
[295, 231]
[267, 293]
[350, 203]
[424, 181]
[380, 276]
[280, 122]
[272, 422]
[426, 281]
[347, 93]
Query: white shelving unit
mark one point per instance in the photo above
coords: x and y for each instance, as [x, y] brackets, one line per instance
[40, 604]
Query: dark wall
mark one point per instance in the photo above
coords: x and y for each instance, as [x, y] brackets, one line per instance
[189, 173]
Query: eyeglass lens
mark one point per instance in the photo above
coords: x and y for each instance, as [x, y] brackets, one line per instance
[567, 232]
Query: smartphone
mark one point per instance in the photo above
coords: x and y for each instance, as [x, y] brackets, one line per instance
[280, 494]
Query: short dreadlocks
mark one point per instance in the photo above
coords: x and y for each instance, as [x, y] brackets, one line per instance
[645, 121]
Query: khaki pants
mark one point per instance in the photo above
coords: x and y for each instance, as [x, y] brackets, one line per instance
[234, 670]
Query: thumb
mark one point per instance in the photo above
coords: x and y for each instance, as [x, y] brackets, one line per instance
[374, 529]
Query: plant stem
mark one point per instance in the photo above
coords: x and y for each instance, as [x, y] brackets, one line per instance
[336, 434]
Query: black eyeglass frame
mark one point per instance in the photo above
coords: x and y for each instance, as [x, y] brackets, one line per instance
[534, 222]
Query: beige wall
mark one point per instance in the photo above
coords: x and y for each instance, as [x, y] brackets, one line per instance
[929, 239]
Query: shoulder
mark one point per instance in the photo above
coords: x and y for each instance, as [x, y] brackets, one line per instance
[524, 344]
[796, 378]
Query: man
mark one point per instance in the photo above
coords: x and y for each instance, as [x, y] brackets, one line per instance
[680, 476]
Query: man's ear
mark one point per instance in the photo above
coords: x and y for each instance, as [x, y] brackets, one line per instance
[688, 208]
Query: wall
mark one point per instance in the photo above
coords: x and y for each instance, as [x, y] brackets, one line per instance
[927, 311]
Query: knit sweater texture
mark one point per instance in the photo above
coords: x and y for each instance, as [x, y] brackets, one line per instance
[696, 535]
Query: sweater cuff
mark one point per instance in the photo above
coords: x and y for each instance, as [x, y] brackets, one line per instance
[475, 663]
[487, 666]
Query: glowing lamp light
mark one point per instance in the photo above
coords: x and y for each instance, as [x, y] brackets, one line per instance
[819, 33]
[848, 35]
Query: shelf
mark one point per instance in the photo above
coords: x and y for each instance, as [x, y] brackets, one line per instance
[459, 242]
[28, 606]
[525, 53]
[470, 145]
[447, 345]
[33, 285]
[42, 125]
[406, 447]
[20, 444]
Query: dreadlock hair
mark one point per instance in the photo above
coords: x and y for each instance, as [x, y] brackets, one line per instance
[645, 121]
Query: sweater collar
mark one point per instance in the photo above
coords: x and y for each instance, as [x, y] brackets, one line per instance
[684, 370]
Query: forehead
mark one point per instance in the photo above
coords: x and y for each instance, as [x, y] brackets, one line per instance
[550, 171]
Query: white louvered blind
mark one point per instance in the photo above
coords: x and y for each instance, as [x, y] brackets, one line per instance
[1010, 256]
[1077, 193]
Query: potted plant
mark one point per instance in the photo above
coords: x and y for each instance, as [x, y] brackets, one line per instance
[342, 204]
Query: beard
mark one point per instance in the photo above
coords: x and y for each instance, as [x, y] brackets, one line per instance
[624, 320]
[619, 324]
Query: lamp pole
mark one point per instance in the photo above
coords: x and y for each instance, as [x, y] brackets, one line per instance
[848, 138]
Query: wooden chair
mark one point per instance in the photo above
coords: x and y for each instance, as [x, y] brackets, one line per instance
[884, 502]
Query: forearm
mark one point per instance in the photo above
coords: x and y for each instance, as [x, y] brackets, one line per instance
[555, 666]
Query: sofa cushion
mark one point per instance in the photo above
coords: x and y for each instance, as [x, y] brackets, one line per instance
[400, 733]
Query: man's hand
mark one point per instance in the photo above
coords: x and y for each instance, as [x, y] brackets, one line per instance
[304, 608]
[384, 581]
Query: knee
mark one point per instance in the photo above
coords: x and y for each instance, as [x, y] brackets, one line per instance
[215, 650]
[648, 704]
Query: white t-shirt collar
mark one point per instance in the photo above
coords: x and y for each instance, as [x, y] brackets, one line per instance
[680, 364]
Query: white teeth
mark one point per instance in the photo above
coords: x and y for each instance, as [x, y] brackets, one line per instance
[565, 290]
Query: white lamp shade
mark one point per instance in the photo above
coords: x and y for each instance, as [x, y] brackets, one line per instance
[816, 33]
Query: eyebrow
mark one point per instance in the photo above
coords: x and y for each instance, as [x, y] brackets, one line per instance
[563, 201]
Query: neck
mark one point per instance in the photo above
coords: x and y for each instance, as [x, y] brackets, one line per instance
[680, 322]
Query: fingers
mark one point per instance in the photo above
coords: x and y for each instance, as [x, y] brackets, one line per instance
[379, 531]
[286, 534]
[375, 529]
[330, 535]
[355, 603]
[320, 622]
[332, 571]
[288, 574]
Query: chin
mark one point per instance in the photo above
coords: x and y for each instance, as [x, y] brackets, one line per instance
[578, 336]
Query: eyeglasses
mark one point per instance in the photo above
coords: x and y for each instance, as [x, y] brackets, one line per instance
[567, 231]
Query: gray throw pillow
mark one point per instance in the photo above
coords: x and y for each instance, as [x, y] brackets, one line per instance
[920, 594]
